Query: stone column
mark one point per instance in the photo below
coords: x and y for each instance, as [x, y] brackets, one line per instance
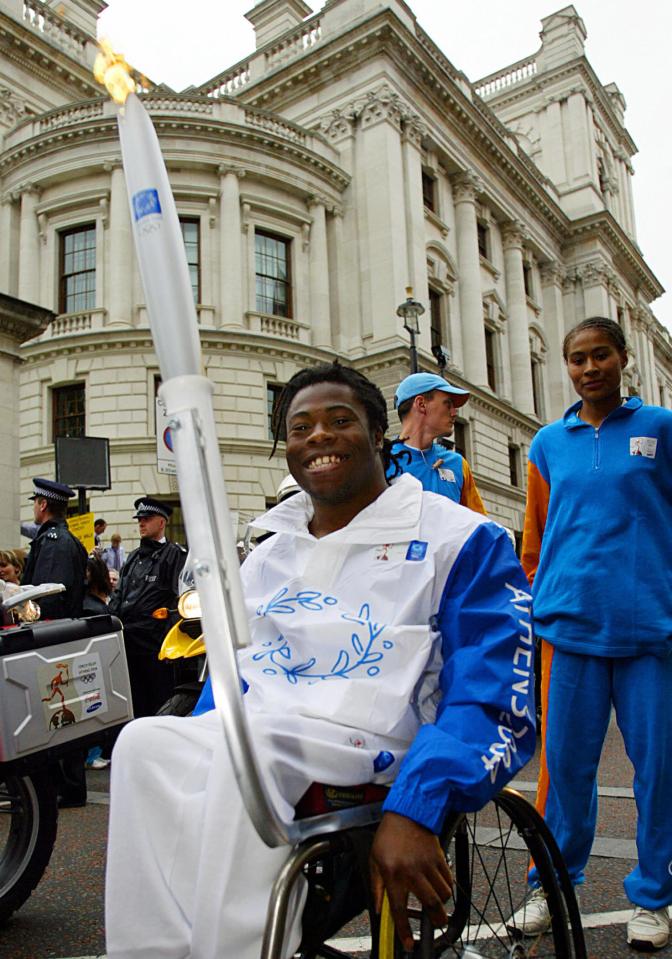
[29, 246]
[230, 247]
[121, 254]
[596, 276]
[7, 277]
[519, 335]
[383, 273]
[552, 278]
[320, 320]
[465, 188]
[416, 237]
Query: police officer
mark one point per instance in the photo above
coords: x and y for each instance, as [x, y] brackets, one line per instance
[56, 556]
[148, 581]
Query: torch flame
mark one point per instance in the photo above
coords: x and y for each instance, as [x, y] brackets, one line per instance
[112, 72]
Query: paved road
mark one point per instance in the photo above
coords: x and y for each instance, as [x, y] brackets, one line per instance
[64, 917]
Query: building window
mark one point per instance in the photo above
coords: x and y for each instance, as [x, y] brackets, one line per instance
[490, 362]
[436, 317]
[273, 274]
[483, 240]
[273, 391]
[535, 367]
[527, 279]
[460, 438]
[429, 192]
[77, 270]
[620, 317]
[514, 465]
[191, 234]
[68, 410]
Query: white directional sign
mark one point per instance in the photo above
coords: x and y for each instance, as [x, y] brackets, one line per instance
[165, 456]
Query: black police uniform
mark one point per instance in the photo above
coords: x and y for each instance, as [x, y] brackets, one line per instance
[148, 581]
[56, 556]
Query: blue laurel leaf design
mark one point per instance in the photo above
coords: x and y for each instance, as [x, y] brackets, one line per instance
[357, 644]
[341, 663]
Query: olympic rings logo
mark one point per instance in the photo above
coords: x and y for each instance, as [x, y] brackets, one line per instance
[87, 677]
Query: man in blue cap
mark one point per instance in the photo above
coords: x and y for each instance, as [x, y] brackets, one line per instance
[149, 580]
[427, 406]
[56, 556]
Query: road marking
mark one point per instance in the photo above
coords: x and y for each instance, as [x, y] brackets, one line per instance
[609, 792]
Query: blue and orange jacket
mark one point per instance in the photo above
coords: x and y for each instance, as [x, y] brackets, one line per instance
[441, 471]
[596, 542]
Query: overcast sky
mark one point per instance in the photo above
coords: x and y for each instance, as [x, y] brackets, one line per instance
[183, 43]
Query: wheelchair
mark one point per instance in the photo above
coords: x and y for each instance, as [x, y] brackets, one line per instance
[489, 853]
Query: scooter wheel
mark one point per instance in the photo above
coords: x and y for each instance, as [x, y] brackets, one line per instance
[28, 822]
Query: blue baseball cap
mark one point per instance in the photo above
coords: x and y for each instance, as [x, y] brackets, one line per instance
[418, 383]
[49, 489]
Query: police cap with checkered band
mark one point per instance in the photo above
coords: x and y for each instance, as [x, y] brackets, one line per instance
[51, 490]
[148, 506]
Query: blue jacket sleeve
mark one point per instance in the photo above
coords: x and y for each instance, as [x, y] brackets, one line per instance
[484, 730]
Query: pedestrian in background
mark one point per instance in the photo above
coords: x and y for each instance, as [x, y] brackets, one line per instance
[427, 406]
[149, 580]
[99, 527]
[11, 567]
[98, 587]
[114, 555]
[596, 550]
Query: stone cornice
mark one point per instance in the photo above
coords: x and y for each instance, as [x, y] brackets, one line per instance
[384, 34]
[626, 255]
[97, 129]
[22, 321]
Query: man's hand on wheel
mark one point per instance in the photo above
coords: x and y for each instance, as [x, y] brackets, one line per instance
[407, 858]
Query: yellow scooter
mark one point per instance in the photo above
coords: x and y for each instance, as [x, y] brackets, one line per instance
[184, 642]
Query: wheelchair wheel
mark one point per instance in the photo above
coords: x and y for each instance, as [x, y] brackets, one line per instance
[490, 853]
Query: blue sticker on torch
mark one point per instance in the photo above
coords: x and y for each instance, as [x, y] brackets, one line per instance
[146, 203]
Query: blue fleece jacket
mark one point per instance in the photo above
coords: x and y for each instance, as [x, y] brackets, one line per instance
[597, 532]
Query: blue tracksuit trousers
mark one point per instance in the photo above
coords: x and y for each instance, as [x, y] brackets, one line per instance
[578, 693]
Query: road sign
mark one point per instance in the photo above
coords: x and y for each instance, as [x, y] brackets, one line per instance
[165, 457]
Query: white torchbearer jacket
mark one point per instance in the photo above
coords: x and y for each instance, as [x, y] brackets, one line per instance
[412, 623]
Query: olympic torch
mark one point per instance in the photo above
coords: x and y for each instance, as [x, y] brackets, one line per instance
[188, 398]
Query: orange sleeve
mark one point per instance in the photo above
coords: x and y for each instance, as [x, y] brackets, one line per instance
[470, 497]
[536, 511]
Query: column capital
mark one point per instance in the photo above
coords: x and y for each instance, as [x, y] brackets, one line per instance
[30, 189]
[224, 169]
[466, 187]
[513, 235]
[552, 273]
[316, 199]
[337, 125]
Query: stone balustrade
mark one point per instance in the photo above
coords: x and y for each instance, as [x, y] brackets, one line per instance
[294, 44]
[71, 324]
[55, 28]
[229, 83]
[508, 77]
[272, 123]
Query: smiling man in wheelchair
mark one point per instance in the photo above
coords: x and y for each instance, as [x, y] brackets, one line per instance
[391, 644]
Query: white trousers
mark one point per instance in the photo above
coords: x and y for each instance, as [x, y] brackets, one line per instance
[187, 875]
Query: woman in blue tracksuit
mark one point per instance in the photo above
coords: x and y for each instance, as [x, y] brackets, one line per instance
[596, 550]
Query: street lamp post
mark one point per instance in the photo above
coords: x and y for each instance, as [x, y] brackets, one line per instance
[410, 311]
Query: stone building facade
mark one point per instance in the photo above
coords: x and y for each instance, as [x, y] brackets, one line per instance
[344, 160]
